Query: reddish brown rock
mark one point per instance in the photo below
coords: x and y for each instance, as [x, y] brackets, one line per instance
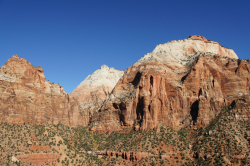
[132, 156]
[39, 147]
[137, 156]
[197, 37]
[38, 158]
[26, 97]
[188, 92]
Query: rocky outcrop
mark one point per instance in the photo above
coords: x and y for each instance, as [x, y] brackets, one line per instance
[181, 83]
[39, 147]
[132, 156]
[26, 97]
[38, 158]
[14, 159]
[96, 87]
[180, 52]
[136, 156]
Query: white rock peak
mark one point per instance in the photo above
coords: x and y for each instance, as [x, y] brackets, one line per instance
[107, 76]
[181, 51]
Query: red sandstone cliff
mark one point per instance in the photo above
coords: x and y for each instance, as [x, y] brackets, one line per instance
[181, 83]
[26, 97]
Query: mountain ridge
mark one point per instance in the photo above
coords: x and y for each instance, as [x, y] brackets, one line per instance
[158, 90]
[178, 105]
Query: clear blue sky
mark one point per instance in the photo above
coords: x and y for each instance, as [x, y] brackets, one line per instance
[71, 39]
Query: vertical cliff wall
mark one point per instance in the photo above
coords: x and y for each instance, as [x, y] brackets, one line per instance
[181, 83]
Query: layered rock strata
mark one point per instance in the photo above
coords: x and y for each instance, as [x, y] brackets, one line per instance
[26, 97]
[181, 83]
[92, 91]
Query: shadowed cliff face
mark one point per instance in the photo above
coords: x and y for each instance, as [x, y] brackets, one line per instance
[26, 97]
[177, 94]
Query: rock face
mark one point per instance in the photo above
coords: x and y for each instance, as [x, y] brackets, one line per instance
[38, 158]
[26, 97]
[136, 156]
[132, 156]
[96, 87]
[181, 83]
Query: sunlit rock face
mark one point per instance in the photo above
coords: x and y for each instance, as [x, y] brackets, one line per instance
[92, 91]
[181, 83]
[181, 52]
[26, 97]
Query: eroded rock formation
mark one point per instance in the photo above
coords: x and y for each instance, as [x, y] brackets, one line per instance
[26, 97]
[132, 156]
[96, 87]
[181, 83]
[38, 158]
[137, 156]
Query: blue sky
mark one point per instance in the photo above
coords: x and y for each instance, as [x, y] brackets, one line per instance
[71, 39]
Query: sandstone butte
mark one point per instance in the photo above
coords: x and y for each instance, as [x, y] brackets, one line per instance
[181, 83]
[92, 91]
[26, 97]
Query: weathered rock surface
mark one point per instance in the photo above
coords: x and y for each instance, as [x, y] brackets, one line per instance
[26, 97]
[37, 158]
[181, 83]
[14, 159]
[132, 156]
[180, 52]
[166, 153]
[135, 156]
[39, 147]
[96, 87]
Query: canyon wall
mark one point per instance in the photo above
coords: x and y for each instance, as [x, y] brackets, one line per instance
[181, 83]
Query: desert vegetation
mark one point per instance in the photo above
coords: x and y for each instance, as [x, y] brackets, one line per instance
[225, 141]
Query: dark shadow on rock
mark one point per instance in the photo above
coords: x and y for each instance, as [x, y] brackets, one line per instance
[194, 110]
[139, 109]
[137, 78]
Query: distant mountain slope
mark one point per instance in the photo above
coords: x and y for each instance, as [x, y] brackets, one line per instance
[92, 91]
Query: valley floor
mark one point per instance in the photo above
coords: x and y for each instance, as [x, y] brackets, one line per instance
[225, 141]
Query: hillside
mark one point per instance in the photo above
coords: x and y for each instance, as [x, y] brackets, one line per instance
[225, 141]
